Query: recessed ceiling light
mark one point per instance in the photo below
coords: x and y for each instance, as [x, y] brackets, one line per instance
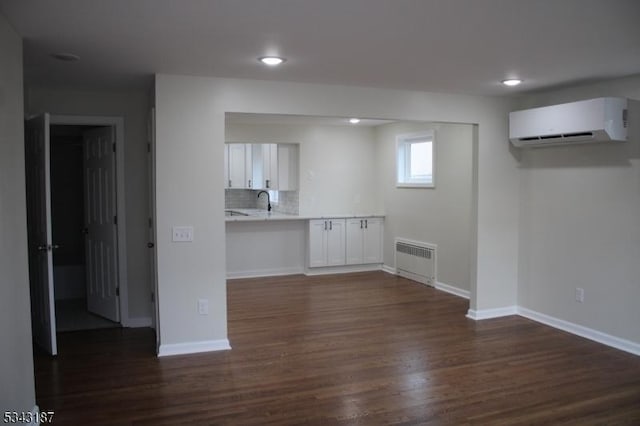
[511, 82]
[66, 57]
[271, 60]
[354, 120]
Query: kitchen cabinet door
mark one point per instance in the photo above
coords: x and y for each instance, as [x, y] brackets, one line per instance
[237, 164]
[336, 242]
[317, 243]
[372, 240]
[326, 242]
[364, 240]
[226, 166]
[354, 238]
[269, 166]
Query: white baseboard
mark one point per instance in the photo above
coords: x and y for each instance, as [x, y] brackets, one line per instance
[588, 333]
[492, 313]
[265, 273]
[465, 294]
[193, 347]
[389, 270]
[327, 270]
[138, 322]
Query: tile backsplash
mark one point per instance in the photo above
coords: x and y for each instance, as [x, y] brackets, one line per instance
[288, 201]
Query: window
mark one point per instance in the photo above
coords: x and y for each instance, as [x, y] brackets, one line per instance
[415, 160]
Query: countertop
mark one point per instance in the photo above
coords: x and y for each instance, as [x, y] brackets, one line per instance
[254, 215]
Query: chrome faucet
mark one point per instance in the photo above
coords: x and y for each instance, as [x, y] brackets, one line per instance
[268, 199]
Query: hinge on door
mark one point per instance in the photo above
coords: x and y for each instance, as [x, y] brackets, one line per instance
[117, 291]
[153, 297]
[150, 223]
[114, 147]
[115, 220]
[148, 147]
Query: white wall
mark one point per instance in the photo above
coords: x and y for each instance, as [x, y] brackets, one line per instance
[337, 165]
[17, 392]
[190, 138]
[134, 107]
[580, 223]
[440, 215]
[266, 248]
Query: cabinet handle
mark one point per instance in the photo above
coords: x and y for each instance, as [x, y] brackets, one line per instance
[267, 183]
[366, 223]
[249, 183]
[325, 225]
[330, 225]
[360, 223]
[229, 183]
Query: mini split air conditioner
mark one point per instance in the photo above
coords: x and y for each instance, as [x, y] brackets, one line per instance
[593, 120]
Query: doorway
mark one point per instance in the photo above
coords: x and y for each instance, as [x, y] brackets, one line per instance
[68, 230]
[75, 186]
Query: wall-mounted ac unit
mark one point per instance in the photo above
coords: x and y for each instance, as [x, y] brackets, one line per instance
[593, 120]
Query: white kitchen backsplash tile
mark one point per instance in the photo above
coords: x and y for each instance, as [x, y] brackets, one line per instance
[288, 201]
[240, 199]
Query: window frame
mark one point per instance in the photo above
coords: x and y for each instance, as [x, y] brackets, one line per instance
[403, 158]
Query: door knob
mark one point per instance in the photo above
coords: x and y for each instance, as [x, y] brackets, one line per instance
[43, 247]
[150, 245]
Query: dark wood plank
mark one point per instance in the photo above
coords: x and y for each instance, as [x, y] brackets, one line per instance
[367, 348]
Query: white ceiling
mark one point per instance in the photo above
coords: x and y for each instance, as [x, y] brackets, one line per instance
[458, 46]
[282, 119]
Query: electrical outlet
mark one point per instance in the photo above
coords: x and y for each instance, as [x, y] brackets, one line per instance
[579, 294]
[203, 306]
[182, 234]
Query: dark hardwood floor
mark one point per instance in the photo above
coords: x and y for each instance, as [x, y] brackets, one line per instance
[365, 349]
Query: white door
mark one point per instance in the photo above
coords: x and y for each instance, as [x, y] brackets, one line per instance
[372, 240]
[101, 223]
[335, 242]
[38, 186]
[153, 254]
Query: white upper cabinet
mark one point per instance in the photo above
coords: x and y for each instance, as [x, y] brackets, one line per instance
[237, 166]
[261, 166]
[275, 166]
[226, 166]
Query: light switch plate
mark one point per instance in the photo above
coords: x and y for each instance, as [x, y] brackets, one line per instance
[182, 234]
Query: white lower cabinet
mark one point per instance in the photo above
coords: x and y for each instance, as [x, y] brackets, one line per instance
[364, 240]
[354, 241]
[326, 242]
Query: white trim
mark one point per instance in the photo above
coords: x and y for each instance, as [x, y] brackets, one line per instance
[465, 294]
[265, 272]
[139, 322]
[118, 123]
[483, 314]
[579, 330]
[389, 270]
[193, 347]
[346, 269]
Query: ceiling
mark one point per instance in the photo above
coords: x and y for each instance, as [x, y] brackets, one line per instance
[306, 120]
[454, 46]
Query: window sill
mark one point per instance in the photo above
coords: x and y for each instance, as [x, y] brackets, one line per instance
[415, 185]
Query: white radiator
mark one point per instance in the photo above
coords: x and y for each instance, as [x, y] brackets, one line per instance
[416, 260]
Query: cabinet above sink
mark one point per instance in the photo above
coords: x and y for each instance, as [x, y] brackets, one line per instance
[261, 166]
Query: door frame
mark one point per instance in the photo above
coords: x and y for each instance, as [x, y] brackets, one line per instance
[118, 124]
